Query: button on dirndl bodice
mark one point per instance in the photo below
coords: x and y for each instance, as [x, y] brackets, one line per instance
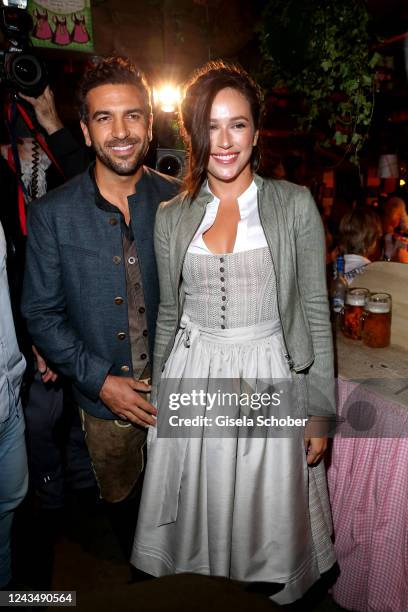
[230, 290]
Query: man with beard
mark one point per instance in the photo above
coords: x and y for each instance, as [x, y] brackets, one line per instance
[91, 289]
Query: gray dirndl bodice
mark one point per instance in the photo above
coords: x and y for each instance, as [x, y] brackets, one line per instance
[230, 290]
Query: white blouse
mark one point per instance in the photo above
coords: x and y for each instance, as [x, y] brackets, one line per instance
[250, 234]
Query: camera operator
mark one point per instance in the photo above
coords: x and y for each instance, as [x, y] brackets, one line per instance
[72, 156]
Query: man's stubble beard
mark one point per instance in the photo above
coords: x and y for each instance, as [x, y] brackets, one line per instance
[126, 167]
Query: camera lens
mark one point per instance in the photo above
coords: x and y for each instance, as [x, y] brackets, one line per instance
[26, 70]
[170, 165]
[26, 73]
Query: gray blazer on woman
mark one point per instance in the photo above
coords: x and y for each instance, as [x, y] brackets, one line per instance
[295, 236]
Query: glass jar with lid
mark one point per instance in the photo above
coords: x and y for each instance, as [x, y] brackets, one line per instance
[356, 299]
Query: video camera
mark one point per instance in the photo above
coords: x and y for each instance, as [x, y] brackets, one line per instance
[19, 69]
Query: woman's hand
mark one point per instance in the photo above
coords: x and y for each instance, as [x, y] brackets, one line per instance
[315, 449]
[315, 442]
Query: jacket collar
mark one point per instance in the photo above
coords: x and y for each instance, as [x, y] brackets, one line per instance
[259, 182]
[139, 190]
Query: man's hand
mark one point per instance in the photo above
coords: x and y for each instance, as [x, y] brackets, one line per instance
[121, 397]
[47, 374]
[45, 111]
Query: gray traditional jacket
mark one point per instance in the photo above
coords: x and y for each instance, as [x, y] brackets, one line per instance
[295, 236]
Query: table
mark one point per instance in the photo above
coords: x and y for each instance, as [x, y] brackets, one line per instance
[368, 478]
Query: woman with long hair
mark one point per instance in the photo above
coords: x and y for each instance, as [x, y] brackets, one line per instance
[241, 265]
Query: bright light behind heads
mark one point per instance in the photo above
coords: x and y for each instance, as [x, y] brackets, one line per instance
[167, 97]
[402, 182]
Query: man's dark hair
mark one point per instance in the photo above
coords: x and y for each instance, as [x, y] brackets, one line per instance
[112, 71]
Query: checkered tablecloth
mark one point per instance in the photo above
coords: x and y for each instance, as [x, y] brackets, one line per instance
[368, 484]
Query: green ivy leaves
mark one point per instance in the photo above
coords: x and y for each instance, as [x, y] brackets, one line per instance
[320, 51]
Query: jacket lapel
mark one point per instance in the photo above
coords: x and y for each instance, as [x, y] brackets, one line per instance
[189, 223]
